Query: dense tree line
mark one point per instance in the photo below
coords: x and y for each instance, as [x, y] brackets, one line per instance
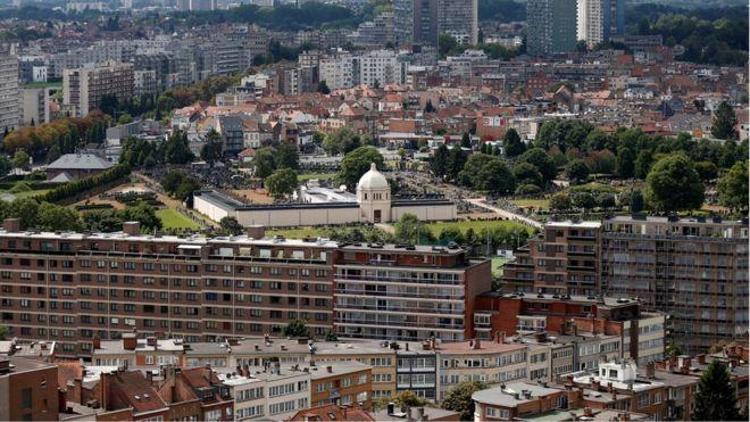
[282, 18]
[269, 159]
[62, 136]
[179, 184]
[502, 10]
[708, 37]
[183, 96]
[139, 153]
[71, 189]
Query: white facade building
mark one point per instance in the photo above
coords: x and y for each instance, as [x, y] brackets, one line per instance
[381, 67]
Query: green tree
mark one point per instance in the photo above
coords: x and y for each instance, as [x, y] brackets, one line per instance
[643, 164]
[707, 170]
[447, 44]
[526, 173]
[409, 229]
[57, 218]
[560, 202]
[144, 214]
[3, 332]
[231, 226]
[5, 165]
[21, 160]
[577, 171]
[439, 161]
[542, 161]
[733, 187]
[212, 150]
[281, 183]
[124, 119]
[456, 161]
[27, 210]
[583, 200]
[625, 163]
[341, 141]
[636, 201]
[715, 399]
[357, 163]
[296, 328]
[724, 121]
[465, 140]
[512, 144]
[487, 173]
[264, 162]
[458, 398]
[287, 156]
[674, 185]
[323, 88]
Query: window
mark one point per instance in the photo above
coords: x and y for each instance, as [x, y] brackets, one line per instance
[26, 398]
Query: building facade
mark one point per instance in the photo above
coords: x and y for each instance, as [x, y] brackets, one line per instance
[551, 26]
[599, 20]
[10, 113]
[74, 287]
[85, 87]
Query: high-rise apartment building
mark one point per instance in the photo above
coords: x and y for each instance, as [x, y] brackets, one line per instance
[425, 22]
[337, 70]
[406, 293]
[380, 67]
[550, 26]
[598, 20]
[422, 21]
[458, 18]
[10, 111]
[74, 288]
[85, 87]
[694, 269]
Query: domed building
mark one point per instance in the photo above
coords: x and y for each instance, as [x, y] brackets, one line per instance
[373, 203]
[374, 196]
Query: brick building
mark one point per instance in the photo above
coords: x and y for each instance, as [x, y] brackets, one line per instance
[694, 269]
[641, 333]
[28, 390]
[73, 288]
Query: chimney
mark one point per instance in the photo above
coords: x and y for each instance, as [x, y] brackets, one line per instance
[329, 369]
[595, 385]
[256, 231]
[588, 412]
[132, 228]
[683, 363]
[129, 341]
[651, 370]
[477, 344]
[239, 370]
[12, 224]
[97, 343]
[701, 358]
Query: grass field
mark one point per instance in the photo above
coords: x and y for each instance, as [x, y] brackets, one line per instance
[173, 219]
[297, 233]
[321, 176]
[476, 225]
[535, 203]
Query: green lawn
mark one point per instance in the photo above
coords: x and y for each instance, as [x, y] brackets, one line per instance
[173, 219]
[477, 225]
[321, 176]
[535, 203]
[297, 233]
[27, 194]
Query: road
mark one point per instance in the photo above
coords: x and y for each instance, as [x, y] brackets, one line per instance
[479, 202]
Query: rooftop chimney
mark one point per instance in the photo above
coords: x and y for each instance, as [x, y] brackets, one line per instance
[132, 228]
[651, 370]
[329, 368]
[129, 341]
[256, 231]
[477, 344]
[12, 224]
[588, 412]
[96, 343]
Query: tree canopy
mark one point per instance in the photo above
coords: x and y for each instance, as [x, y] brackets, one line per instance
[674, 185]
[458, 398]
[357, 163]
[733, 187]
[715, 399]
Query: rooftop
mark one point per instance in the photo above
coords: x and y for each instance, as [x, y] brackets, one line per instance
[512, 394]
[77, 161]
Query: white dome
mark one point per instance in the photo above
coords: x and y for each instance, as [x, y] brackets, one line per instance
[373, 180]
